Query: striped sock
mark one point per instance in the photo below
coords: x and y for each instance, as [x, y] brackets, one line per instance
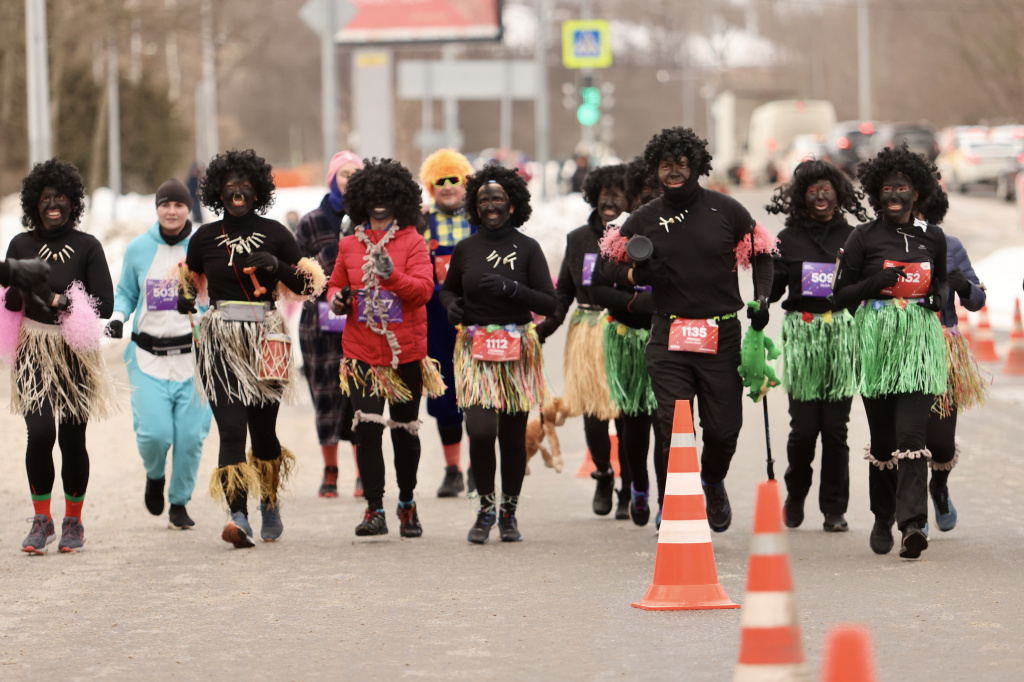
[41, 503]
[73, 506]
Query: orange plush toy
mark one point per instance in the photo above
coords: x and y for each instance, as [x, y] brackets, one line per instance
[551, 415]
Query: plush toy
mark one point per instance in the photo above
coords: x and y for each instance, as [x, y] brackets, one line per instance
[754, 369]
[551, 415]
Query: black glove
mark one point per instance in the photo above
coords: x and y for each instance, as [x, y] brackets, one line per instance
[186, 305]
[261, 260]
[15, 300]
[959, 283]
[642, 303]
[888, 277]
[653, 272]
[341, 301]
[545, 328]
[455, 311]
[758, 318]
[930, 302]
[497, 285]
[115, 329]
[42, 298]
[28, 274]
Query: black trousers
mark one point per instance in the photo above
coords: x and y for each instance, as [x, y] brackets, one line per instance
[484, 427]
[899, 423]
[942, 443]
[713, 380]
[635, 439]
[808, 420]
[43, 433]
[599, 442]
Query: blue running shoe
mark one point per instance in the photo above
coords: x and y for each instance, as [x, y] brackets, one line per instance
[657, 520]
[945, 512]
[272, 526]
[238, 532]
[41, 534]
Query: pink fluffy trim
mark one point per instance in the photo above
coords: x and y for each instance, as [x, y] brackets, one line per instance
[613, 245]
[10, 327]
[764, 242]
[80, 324]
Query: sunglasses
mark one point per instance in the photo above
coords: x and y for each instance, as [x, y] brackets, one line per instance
[452, 180]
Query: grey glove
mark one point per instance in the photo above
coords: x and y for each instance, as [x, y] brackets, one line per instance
[385, 266]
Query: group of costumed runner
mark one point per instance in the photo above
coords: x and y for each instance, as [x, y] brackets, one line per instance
[452, 301]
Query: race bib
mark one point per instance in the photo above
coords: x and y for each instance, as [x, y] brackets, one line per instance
[161, 294]
[329, 322]
[589, 261]
[693, 336]
[441, 265]
[499, 345]
[388, 302]
[816, 280]
[915, 282]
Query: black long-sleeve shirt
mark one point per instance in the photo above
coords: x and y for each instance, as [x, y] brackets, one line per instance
[581, 250]
[505, 252]
[806, 252]
[630, 305]
[73, 256]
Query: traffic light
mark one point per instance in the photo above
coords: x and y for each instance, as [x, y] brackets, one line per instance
[589, 113]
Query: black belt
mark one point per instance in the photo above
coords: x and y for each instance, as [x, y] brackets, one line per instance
[160, 345]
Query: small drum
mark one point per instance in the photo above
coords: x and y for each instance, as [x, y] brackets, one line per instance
[275, 357]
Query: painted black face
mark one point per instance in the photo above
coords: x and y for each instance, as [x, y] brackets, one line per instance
[238, 195]
[382, 212]
[493, 206]
[897, 197]
[611, 202]
[674, 172]
[820, 200]
[54, 208]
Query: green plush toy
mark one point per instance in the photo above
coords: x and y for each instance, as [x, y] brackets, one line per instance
[754, 369]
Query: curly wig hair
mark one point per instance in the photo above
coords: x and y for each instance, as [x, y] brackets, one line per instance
[60, 175]
[933, 209]
[442, 164]
[511, 182]
[247, 165]
[789, 199]
[639, 179]
[674, 143]
[383, 182]
[603, 177]
[922, 173]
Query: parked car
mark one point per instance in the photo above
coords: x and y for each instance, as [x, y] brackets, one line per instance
[975, 161]
[772, 128]
[803, 148]
[1006, 183]
[920, 138]
[847, 144]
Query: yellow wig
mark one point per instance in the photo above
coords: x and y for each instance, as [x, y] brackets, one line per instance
[441, 164]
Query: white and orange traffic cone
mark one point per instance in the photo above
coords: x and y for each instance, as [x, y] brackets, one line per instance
[1015, 358]
[588, 466]
[685, 576]
[849, 656]
[984, 346]
[770, 646]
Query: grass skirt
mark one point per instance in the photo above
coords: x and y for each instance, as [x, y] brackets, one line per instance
[966, 386]
[515, 386]
[819, 356]
[900, 348]
[629, 384]
[76, 383]
[385, 382]
[586, 384]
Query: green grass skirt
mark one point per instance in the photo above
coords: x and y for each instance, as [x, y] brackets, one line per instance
[628, 381]
[901, 349]
[819, 356]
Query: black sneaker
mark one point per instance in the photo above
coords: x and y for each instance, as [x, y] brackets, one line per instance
[835, 523]
[329, 483]
[914, 542]
[373, 523]
[155, 495]
[603, 492]
[716, 504]
[470, 481]
[508, 529]
[409, 521]
[452, 484]
[793, 511]
[178, 518]
[622, 509]
[480, 533]
[881, 540]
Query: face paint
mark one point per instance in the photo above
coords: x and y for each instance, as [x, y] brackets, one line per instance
[672, 173]
[54, 208]
[820, 200]
[381, 213]
[897, 197]
[493, 206]
[238, 195]
[611, 202]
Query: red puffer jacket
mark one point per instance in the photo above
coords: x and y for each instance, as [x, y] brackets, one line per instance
[412, 282]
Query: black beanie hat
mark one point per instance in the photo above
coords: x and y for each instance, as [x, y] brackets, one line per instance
[174, 190]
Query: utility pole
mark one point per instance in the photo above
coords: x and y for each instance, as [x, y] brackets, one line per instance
[40, 136]
[113, 119]
[206, 126]
[541, 113]
[863, 62]
[587, 133]
[328, 80]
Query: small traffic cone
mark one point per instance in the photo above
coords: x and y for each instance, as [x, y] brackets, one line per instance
[964, 325]
[588, 465]
[984, 347]
[770, 646]
[685, 576]
[1015, 358]
[849, 656]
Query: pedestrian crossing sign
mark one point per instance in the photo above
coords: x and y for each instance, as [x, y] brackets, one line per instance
[586, 44]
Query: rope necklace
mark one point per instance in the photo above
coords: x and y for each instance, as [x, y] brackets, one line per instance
[373, 306]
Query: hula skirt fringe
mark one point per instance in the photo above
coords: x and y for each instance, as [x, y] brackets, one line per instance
[629, 384]
[384, 381]
[819, 356]
[230, 354]
[272, 475]
[227, 481]
[901, 349]
[586, 384]
[76, 383]
[514, 386]
[966, 386]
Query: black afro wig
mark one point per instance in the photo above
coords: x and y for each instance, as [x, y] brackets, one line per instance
[672, 143]
[511, 182]
[934, 208]
[641, 184]
[383, 182]
[603, 177]
[254, 168]
[60, 175]
[921, 172]
[789, 198]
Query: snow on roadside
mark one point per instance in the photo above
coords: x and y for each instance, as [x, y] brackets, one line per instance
[1002, 273]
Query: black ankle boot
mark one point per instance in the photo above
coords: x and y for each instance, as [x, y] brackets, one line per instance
[155, 496]
[603, 492]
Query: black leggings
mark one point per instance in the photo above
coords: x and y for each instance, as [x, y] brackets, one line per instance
[370, 436]
[899, 423]
[599, 442]
[43, 432]
[942, 443]
[635, 440]
[484, 426]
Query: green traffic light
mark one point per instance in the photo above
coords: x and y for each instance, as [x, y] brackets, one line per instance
[591, 95]
[588, 114]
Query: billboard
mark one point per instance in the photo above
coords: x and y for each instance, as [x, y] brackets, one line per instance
[421, 21]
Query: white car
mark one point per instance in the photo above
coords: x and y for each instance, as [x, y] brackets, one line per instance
[974, 161]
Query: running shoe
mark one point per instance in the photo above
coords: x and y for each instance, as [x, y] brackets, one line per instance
[373, 523]
[639, 506]
[357, 491]
[914, 542]
[329, 483]
[793, 511]
[603, 491]
[835, 523]
[881, 539]
[237, 531]
[508, 529]
[716, 504]
[657, 519]
[155, 495]
[622, 508]
[480, 533]
[452, 484]
[409, 521]
[178, 518]
[945, 512]
[72, 535]
[470, 481]
[272, 526]
[41, 534]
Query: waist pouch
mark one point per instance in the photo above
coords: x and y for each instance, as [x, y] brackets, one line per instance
[159, 345]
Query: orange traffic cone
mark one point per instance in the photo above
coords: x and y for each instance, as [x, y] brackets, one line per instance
[849, 656]
[1015, 358]
[770, 639]
[685, 576]
[964, 324]
[588, 465]
[984, 347]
